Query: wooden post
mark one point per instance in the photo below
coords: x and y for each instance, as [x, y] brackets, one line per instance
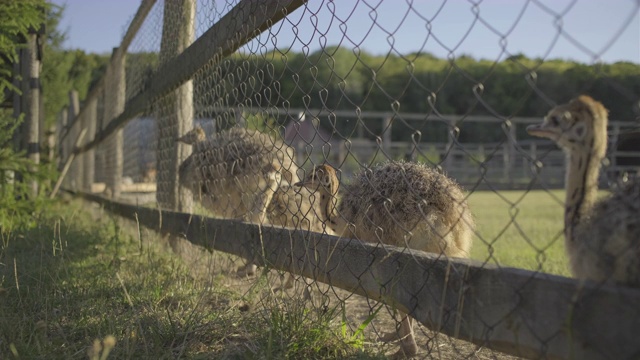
[68, 147]
[89, 123]
[114, 93]
[174, 110]
[31, 94]
[75, 178]
[98, 151]
[62, 130]
[67, 163]
[533, 152]
[17, 112]
[51, 142]
[41, 120]
[17, 101]
[386, 134]
[509, 153]
[452, 131]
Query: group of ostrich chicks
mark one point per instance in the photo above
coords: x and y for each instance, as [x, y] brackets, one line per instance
[249, 175]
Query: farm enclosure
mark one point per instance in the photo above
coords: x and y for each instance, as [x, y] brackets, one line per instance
[236, 65]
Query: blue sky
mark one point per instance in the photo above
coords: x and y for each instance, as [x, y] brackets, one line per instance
[582, 30]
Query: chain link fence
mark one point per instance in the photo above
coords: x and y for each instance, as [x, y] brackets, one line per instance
[357, 144]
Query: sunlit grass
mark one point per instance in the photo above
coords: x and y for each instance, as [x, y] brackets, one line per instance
[520, 229]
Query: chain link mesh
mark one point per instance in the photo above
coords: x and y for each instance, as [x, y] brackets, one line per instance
[385, 93]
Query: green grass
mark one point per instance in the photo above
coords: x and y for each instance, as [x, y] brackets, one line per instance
[516, 229]
[72, 286]
[520, 229]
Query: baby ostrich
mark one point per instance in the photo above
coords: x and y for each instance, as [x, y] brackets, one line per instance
[285, 205]
[235, 174]
[296, 207]
[602, 238]
[398, 203]
[193, 136]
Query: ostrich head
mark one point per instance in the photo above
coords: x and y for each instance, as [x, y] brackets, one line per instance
[193, 136]
[578, 126]
[321, 178]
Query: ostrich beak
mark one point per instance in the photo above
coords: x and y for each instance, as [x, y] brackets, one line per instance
[533, 129]
[540, 130]
[304, 183]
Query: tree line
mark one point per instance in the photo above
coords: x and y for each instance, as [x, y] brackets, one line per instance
[338, 78]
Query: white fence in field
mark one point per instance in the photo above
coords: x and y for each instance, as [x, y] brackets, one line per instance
[524, 163]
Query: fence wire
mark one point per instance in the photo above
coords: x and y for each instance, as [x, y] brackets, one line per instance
[368, 120]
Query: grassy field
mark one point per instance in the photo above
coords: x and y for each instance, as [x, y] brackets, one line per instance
[520, 229]
[77, 283]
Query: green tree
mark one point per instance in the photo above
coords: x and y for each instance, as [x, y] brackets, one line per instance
[16, 18]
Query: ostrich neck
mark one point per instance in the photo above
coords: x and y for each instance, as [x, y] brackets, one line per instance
[581, 189]
[328, 204]
[329, 214]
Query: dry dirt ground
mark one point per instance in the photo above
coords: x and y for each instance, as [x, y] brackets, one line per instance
[357, 308]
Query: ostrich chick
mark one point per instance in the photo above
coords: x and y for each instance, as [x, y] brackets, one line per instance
[602, 238]
[398, 203]
[236, 173]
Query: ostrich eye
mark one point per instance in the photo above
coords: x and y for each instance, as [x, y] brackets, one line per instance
[580, 130]
[554, 120]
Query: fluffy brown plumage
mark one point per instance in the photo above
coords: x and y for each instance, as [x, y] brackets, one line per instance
[403, 197]
[602, 238]
[238, 174]
[397, 203]
[411, 203]
[295, 207]
[235, 173]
